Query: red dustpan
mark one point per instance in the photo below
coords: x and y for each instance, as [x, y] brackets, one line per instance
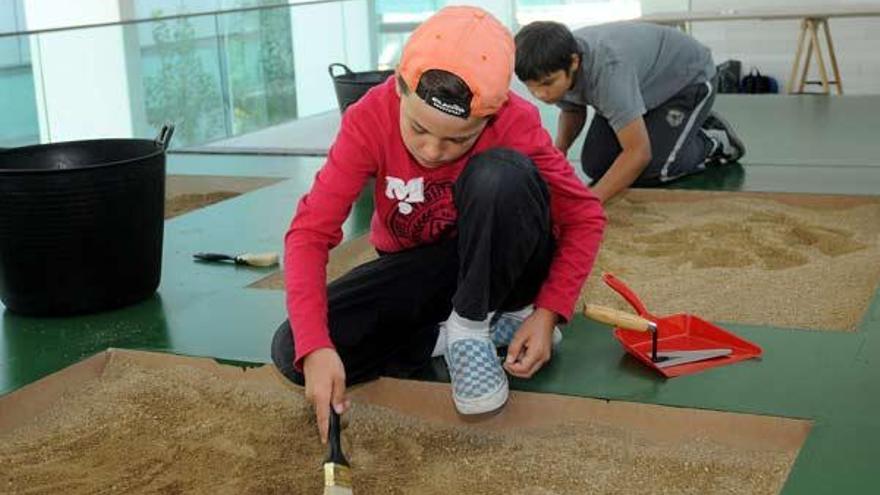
[674, 345]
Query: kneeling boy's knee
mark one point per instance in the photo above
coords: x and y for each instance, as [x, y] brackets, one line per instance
[498, 171]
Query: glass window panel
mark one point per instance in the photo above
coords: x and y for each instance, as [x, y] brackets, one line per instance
[180, 66]
[19, 125]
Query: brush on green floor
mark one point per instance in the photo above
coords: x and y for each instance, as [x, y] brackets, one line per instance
[250, 259]
[337, 472]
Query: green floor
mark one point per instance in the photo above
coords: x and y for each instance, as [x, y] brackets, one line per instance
[206, 310]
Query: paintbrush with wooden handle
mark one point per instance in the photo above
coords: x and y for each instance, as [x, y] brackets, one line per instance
[337, 472]
[250, 259]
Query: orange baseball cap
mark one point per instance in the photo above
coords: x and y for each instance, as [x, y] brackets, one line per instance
[470, 43]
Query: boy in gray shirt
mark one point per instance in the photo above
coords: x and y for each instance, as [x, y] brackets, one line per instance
[652, 88]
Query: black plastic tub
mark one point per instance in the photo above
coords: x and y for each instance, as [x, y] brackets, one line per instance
[351, 86]
[81, 224]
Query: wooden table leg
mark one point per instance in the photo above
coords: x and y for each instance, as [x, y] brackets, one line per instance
[809, 57]
[792, 81]
[833, 57]
[820, 60]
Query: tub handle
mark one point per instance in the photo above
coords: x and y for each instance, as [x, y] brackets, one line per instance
[346, 70]
[163, 140]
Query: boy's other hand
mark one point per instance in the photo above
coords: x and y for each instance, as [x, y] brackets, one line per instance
[325, 386]
[532, 345]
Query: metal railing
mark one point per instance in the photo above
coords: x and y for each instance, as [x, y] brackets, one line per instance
[169, 17]
[216, 74]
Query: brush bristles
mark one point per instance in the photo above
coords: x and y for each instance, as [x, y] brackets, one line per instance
[259, 259]
[337, 476]
[337, 490]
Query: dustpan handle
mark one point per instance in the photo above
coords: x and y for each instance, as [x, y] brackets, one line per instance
[621, 288]
[617, 318]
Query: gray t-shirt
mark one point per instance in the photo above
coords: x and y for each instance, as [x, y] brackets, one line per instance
[629, 68]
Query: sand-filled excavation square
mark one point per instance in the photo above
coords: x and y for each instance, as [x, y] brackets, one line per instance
[185, 193]
[784, 260]
[133, 422]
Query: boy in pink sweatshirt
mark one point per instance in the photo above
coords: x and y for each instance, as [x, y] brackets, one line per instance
[484, 232]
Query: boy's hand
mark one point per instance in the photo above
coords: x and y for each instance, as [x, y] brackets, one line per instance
[532, 344]
[325, 385]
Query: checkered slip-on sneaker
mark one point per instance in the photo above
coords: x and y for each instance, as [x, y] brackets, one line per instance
[479, 384]
[504, 325]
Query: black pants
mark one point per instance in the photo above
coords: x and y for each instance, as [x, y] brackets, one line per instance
[678, 146]
[383, 315]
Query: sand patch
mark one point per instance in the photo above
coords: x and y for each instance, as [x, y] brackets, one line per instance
[185, 193]
[178, 205]
[182, 429]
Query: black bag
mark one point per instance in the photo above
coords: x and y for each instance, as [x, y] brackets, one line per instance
[729, 73]
[756, 83]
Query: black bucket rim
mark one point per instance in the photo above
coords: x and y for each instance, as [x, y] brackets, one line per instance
[351, 77]
[160, 150]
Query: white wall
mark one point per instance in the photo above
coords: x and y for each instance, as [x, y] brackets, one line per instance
[655, 6]
[324, 34]
[50, 14]
[501, 9]
[82, 78]
[770, 45]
